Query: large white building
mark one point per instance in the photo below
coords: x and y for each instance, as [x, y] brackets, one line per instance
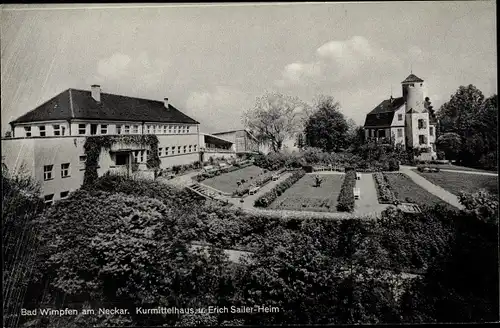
[47, 143]
[406, 120]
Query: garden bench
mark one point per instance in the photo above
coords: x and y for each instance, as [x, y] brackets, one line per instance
[253, 190]
[276, 177]
[357, 193]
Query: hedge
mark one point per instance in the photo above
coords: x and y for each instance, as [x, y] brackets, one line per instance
[384, 192]
[346, 196]
[266, 199]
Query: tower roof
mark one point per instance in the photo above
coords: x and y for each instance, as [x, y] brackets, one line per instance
[412, 78]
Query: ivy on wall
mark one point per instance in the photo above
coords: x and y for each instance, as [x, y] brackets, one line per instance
[94, 145]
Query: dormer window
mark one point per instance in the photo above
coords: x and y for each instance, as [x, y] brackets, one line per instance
[400, 117]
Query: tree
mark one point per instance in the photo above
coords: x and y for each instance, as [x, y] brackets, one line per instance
[275, 118]
[450, 143]
[327, 128]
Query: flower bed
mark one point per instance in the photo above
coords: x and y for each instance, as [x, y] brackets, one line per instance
[208, 175]
[266, 199]
[261, 180]
[346, 196]
[384, 192]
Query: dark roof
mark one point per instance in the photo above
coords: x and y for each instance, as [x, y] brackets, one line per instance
[79, 104]
[412, 78]
[383, 114]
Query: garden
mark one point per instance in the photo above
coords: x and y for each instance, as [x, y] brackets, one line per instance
[405, 190]
[456, 182]
[305, 196]
[230, 181]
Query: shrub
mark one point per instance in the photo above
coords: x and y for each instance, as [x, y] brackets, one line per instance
[384, 193]
[393, 165]
[346, 196]
[266, 199]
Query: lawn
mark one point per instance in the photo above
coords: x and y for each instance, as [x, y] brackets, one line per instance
[303, 196]
[456, 182]
[405, 190]
[456, 168]
[227, 182]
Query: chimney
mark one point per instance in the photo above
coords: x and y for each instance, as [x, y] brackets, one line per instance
[96, 92]
[165, 102]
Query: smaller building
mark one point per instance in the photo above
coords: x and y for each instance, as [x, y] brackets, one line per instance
[215, 147]
[244, 141]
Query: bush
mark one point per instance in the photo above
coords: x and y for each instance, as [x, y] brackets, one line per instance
[266, 199]
[346, 196]
[384, 193]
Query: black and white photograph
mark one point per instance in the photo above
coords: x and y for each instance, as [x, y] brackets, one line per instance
[249, 164]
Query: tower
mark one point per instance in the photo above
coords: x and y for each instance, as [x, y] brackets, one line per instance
[417, 117]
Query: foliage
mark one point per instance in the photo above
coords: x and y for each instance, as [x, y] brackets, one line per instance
[266, 199]
[450, 144]
[327, 128]
[384, 192]
[95, 144]
[346, 195]
[473, 118]
[274, 119]
[20, 205]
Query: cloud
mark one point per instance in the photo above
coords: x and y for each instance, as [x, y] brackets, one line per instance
[221, 106]
[123, 72]
[338, 61]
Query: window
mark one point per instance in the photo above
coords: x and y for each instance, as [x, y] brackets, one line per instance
[63, 130]
[421, 139]
[166, 151]
[421, 84]
[188, 129]
[431, 130]
[400, 133]
[190, 148]
[175, 128]
[173, 150]
[27, 131]
[48, 199]
[118, 129]
[65, 170]
[185, 149]
[421, 124]
[194, 147]
[83, 159]
[169, 129]
[158, 129]
[93, 129]
[135, 129]
[104, 129]
[400, 117]
[42, 131]
[178, 149]
[160, 151]
[121, 159]
[47, 172]
[164, 129]
[412, 85]
[57, 130]
[126, 129]
[82, 129]
[64, 194]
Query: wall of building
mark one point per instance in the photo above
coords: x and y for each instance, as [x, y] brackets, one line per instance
[19, 156]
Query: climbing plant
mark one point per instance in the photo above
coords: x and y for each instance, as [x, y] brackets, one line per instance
[94, 145]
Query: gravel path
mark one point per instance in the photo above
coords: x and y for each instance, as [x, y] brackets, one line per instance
[368, 200]
[432, 188]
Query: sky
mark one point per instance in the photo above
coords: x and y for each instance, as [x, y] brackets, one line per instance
[212, 61]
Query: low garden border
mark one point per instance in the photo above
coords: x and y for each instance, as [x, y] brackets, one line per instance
[384, 193]
[345, 201]
[266, 199]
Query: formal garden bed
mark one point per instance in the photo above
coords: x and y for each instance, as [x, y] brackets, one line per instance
[303, 195]
[405, 190]
[456, 182]
[384, 193]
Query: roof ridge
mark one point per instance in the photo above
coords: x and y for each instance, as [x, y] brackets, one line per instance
[118, 95]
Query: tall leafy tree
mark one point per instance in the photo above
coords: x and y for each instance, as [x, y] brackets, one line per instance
[275, 118]
[450, 143]
[327, 128]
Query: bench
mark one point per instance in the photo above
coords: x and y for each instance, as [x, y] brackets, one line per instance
[358, 176]
[253, 190]
[357, 193]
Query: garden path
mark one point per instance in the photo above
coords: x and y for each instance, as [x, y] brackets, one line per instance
[432, 188]
[180, 181]
[368, 200]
